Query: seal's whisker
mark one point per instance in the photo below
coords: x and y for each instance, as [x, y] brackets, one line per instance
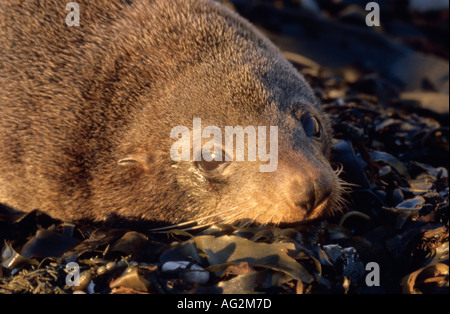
[246, 222]
[189, 222]
[339, 203]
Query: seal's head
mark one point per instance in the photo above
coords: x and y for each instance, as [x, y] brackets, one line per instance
[237, 80]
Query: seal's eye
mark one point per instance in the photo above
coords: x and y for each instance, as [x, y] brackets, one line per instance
[312, 126]
[209, 163]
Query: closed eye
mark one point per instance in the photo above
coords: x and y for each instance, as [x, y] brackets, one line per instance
[209, 162]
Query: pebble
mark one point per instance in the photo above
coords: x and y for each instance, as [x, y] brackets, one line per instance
[188, 271]
[397, 196]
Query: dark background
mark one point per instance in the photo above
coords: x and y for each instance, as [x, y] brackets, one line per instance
[410, 48]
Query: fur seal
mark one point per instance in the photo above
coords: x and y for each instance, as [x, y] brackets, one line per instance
[86, 114]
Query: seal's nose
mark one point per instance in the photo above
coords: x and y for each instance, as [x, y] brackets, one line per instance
[309, 194]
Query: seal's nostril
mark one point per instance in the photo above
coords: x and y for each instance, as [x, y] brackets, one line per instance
[322, 189]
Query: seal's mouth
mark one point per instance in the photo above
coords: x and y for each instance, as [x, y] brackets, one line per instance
[321, 210]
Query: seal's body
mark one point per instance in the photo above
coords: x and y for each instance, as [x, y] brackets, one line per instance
[86, 114]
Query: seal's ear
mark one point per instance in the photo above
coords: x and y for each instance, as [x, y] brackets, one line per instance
[137, 160]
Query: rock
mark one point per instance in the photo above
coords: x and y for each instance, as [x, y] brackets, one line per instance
[437, 102]
[428, 6]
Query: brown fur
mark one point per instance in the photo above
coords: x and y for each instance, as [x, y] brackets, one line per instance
[75, 100]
